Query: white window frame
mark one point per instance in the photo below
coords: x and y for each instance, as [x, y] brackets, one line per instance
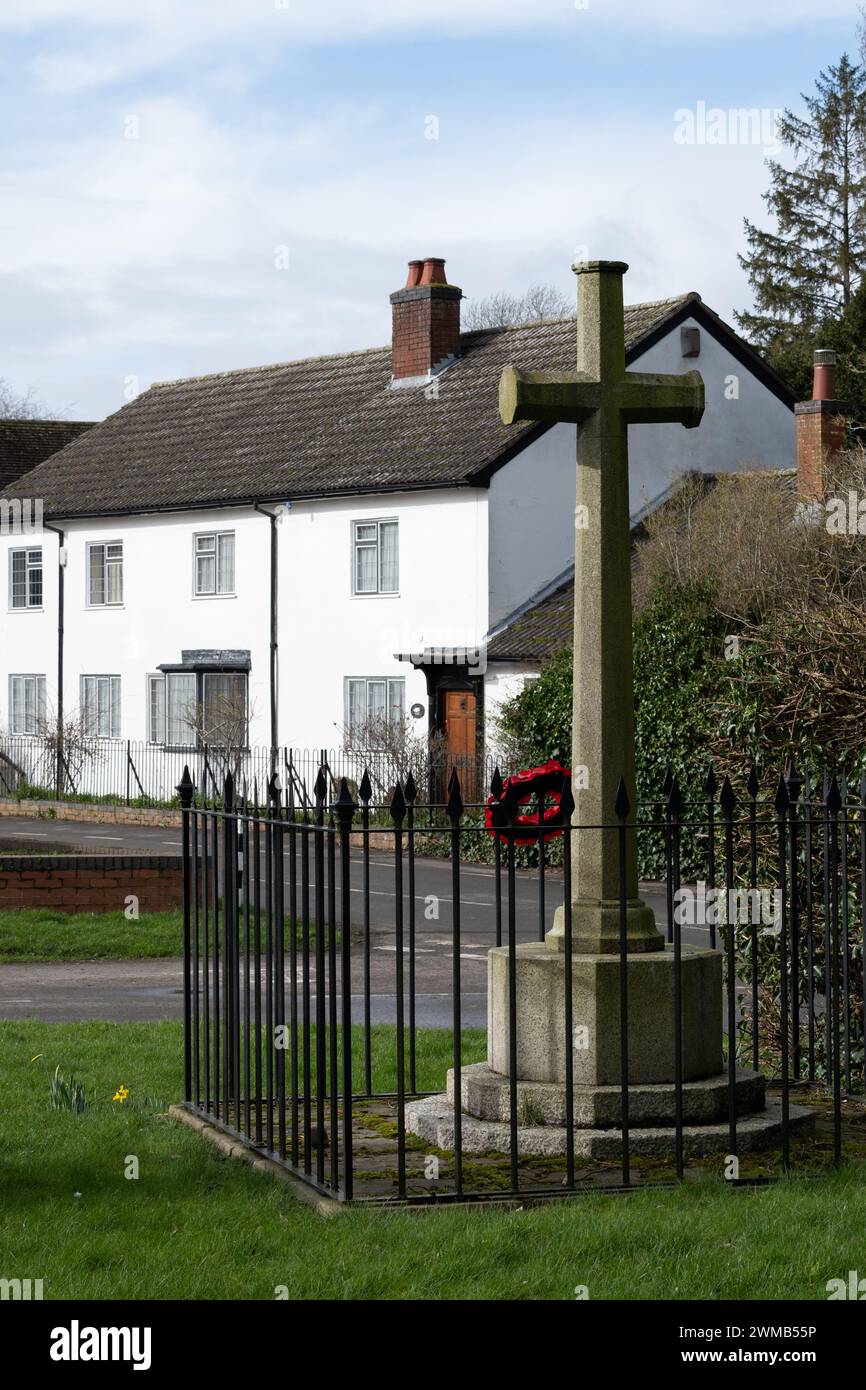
[189, 741]
[374, 543]
[114, 709]
[218, 566]
[390, 711]
[29, 567]
[40, 704]
[114, 561]
[155, 735]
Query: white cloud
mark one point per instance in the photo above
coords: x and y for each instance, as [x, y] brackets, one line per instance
[156, 256]
[93, 42]
[159, 253]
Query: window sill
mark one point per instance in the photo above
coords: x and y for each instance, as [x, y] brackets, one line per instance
[32, 608]
[102, 607]
[375, 596]
[203, 598]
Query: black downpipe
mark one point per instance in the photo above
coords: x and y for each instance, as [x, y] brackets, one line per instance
[61, 579]
[274, 645]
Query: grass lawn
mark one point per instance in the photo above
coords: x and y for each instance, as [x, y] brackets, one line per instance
[196, 1225]
[40, 934]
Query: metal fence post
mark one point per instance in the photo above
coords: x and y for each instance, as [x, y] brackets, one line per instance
[229, 944]
[344, 811]
[185, 791]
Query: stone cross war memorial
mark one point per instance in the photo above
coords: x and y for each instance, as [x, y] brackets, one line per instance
[604, 1011]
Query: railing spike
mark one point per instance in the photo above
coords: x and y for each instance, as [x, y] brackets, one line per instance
[398, 805]
[454, 807]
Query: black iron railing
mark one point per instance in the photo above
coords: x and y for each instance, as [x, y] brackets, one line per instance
[130, 772]
[321, 1005]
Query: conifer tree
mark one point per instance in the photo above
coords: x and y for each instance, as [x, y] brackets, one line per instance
[805, 272]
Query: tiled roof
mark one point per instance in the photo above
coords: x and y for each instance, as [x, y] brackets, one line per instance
[323, 425]
[539, 632]
[26, 443]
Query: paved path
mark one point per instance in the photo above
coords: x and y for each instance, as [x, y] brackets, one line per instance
[130, 990]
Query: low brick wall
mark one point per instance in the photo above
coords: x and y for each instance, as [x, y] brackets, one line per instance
[93, 815]
[91, 883]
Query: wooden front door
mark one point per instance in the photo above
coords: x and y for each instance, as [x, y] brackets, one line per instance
[460, 711]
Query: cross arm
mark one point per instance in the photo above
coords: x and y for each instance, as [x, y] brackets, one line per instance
[648, 398]
[547, 396]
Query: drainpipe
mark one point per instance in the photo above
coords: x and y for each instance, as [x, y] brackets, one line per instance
[272, 517]
[61, 579]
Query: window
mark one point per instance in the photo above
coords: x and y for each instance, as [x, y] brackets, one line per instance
[372, 702]
[187, 708]
[100, 706]
[26, 704]
[376, 559]
[224, 708]
[156, 709]
[105, 574]
[25, 578]
[215, 563]
[180, 708]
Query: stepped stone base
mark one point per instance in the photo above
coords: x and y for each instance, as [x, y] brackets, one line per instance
[433, 1120]
[654, 985]
[487, 1096]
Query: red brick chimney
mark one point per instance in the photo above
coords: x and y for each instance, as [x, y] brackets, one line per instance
[425, 323]
[820, 429]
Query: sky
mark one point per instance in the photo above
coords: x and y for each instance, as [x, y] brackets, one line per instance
[191, 186]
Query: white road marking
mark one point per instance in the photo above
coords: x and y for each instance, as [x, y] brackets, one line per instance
[469, 902]
[103, 837]
[29, 834]
[419, 950]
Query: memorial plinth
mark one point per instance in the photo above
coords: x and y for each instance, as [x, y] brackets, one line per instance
[602, 398]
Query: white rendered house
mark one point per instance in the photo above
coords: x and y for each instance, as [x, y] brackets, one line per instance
[331, 541]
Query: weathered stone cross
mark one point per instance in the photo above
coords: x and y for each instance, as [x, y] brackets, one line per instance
[603, 399]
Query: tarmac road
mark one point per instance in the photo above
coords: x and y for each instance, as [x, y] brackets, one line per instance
[151, 989]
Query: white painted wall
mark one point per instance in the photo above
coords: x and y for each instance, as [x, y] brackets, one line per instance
[159, 616]
[532, 497]
[501, 683]
[756, 430]
[531, 520]
[325, 632]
